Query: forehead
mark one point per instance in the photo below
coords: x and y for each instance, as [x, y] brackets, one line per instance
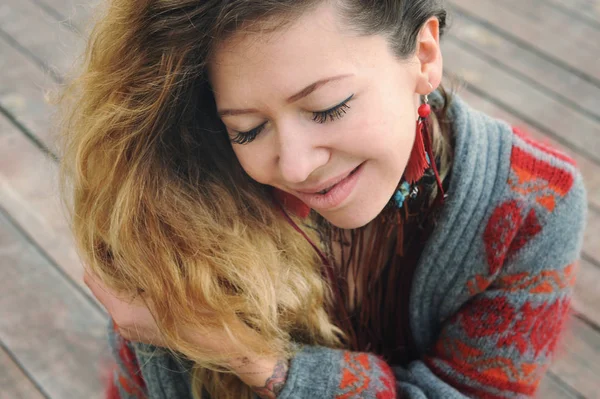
[313, 47]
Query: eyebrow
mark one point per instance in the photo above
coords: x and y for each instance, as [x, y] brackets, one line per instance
[292, 99]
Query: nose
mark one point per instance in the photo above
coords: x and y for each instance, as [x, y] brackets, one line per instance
[299, 156]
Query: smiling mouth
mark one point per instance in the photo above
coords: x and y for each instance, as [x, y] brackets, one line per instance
[323, 192]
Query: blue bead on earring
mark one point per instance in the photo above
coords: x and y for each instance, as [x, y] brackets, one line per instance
[401, 194]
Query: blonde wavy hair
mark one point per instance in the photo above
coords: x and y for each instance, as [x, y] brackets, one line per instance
[159, 203]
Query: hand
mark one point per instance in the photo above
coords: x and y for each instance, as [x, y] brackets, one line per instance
[130, 314]
[135, 322]
[265, 376]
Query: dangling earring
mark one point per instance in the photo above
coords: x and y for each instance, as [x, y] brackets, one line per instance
[419, 159]
[291, 203]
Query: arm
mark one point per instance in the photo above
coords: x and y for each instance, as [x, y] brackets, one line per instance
[497, 345]
[266, 377]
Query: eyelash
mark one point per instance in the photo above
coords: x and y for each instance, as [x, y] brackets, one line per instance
[331, 114]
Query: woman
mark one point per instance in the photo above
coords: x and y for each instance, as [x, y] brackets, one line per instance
[277, 199]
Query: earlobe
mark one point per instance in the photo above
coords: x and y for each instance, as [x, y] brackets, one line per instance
[429, 55]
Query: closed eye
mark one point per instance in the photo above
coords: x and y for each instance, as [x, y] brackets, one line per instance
[331, 114]
[249, 136]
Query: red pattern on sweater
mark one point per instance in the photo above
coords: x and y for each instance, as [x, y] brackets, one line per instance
[531, 227]
[500, 233]
[355, 377]
[387, 380]
[458, 384]
[547, 148]
[539, 174]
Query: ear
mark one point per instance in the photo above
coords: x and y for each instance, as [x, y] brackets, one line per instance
[429, 55]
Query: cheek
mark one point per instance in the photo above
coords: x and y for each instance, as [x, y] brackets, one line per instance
[383, 133]
[254, 162]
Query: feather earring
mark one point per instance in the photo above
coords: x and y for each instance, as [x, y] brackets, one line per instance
[419, 160]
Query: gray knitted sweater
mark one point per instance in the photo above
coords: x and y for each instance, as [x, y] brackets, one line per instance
[489, 297]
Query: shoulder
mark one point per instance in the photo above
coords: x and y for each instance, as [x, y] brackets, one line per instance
[543, 208]
[546, 180]
[524, 170]
[543, 173]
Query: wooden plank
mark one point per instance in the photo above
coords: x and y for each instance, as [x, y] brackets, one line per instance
[22, 88]
[567, 46]
[56, 334]
[552, 387]
[29, 193]
[578, 357]
[590, 8]
[14, 383]
[40, 36]
[587, 294]
[544, 13]
[531, 67]
[580, 16]
[74, 12]
[591, 242]
[578, 132]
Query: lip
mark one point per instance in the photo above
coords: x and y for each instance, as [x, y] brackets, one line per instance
[329, 183]
[337, 195]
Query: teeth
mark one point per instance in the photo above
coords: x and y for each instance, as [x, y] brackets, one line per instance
[325, 191]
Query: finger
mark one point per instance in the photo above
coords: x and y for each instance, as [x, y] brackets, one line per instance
[86, 277]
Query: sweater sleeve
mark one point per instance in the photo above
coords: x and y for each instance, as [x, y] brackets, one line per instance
[125, 381]
[500, 342]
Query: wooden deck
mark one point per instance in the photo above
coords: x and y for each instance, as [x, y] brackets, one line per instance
[534, 63]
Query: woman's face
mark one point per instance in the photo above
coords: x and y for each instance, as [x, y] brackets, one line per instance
[313, 105]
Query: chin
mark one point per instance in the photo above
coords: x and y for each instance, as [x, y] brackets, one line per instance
[351, 218]
[364, 205]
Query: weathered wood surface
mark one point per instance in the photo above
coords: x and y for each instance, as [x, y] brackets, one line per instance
[516, 59]
[14, 382]
[53, 329]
